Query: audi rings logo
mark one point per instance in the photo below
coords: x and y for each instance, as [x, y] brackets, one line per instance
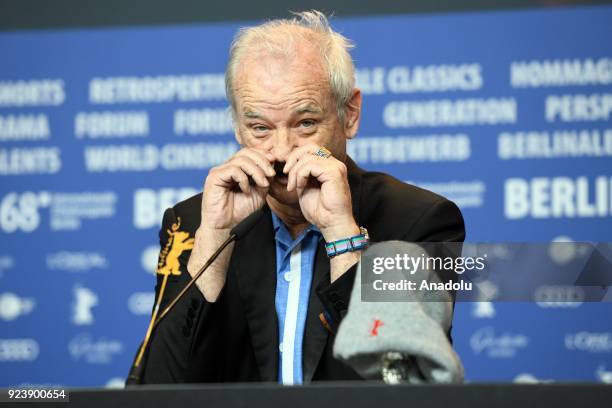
[18, 350]
[559, 296]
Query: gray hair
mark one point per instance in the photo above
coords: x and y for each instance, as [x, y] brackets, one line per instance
[280, 36]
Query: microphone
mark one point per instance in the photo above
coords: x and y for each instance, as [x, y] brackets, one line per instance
[401, 341]
[246, 225]
[236, 234]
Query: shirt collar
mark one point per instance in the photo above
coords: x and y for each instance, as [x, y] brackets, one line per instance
[282, 235]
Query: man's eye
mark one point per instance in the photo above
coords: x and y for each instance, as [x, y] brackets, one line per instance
[259, 128]
[308, 123]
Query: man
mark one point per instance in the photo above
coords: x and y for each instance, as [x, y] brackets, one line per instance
[268, 308]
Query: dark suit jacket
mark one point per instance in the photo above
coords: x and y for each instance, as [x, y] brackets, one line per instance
[236, 338]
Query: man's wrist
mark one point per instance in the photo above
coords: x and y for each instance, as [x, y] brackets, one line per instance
[210, 233]
[342, 263]
[342, 231]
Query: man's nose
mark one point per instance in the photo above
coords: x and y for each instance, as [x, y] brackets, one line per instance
[282, 146]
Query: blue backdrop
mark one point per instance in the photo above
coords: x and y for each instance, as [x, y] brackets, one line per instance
[506, 113]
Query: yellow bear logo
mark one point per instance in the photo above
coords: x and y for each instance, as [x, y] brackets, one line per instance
[178, 241]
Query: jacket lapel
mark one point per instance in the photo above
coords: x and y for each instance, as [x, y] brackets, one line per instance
[255, 268]
[315, 335]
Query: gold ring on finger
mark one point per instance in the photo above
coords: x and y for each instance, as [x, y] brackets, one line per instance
[323, 152]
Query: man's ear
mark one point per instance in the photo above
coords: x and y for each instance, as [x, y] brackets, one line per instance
[352, 114]
[237, 135]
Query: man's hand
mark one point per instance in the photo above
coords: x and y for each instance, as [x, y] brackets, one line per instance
[236, 189]
[323, 191]
[232, 192]
[325, 199]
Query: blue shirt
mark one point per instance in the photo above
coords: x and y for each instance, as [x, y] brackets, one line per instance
[294, 266]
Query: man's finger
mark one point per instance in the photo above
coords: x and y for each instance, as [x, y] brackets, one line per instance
[231, 175]
[262, 159]
[298, 154]
[291, 177]
[251, 169]
[306, 168]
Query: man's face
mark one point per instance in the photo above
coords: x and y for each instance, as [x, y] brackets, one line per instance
[285, 103]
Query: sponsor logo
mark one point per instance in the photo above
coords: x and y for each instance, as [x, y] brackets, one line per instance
[563, 250]
[84, 347]
[76, 261]
[526, 378]
[483, 310]
[552, 296]
[141, 303]
[84, 300]
[506, 345]
[18, 350]
[605, 376]
[13, 306]
[115, 382]
[178, 242]
[149, 257]
[590, 342]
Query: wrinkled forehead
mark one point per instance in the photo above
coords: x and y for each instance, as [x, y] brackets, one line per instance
[274, 72]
